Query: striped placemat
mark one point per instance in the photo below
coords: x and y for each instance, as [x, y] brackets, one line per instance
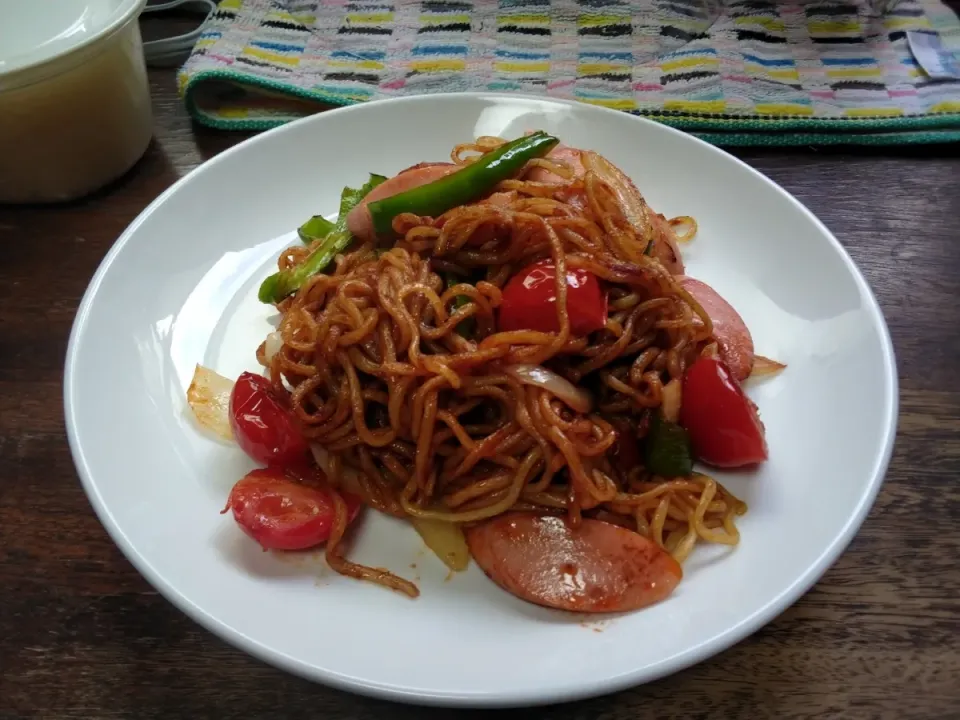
[765, 73]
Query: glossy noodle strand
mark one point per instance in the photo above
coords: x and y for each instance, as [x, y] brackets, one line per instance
[393, 364]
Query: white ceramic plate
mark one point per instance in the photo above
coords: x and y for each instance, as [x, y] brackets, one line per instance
[179, 288]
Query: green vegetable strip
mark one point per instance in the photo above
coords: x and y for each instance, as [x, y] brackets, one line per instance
[351, 197]
[465, 327]
[286, 282]
[462, 186]
[316, 228]
[667, 449]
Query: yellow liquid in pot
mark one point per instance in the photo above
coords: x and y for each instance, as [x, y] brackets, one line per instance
[67, 135]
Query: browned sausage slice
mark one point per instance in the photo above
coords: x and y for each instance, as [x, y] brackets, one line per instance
[561, 153]
[731, 332]
[597, 567]
[359, 222]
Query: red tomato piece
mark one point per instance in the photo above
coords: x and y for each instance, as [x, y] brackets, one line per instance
[281, 514]
[722, 422]
[264, 427]
[530, 300]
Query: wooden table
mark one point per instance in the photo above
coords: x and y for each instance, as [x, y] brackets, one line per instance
[82, 635]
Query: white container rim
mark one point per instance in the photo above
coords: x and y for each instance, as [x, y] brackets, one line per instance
[30, 67]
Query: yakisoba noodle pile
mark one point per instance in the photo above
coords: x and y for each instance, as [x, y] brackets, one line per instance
[432, 421]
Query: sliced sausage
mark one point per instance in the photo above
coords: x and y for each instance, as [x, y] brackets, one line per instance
[421, 165]
[359, 222]
[501, 199]
[597, 567]
[730, 331]
[561, 153]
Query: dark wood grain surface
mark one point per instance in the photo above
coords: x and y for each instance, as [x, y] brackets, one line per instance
[82, 635]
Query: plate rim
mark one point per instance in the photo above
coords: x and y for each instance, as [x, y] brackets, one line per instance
[527, 697]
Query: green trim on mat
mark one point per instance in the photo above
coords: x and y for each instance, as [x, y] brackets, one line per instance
[760, 130]
[761, 123]
[792, 139]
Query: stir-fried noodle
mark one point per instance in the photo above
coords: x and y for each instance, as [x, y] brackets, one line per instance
[395, 368]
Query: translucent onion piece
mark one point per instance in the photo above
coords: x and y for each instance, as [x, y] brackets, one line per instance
[670, 401]
[272, 346]
[538, 376]
[764, 367]
[627, 193]
[209, 398]
[446, 540]
[349, 479]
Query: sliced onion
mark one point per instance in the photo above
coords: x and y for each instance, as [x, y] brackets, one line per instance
[446, 540]
[272, 346]
[538, 376]
[687, 222]
[209, 398]
[443, 538]
[670, 401]
[763, 366]
[349, 478]
[630, 198]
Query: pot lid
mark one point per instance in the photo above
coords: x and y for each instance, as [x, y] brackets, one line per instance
[33, 33]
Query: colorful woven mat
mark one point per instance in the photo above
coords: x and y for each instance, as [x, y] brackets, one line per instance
[765, 73]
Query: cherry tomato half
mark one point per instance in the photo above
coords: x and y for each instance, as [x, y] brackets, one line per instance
[264, 428]
[530, 300]
[722, 422]
[281, 514]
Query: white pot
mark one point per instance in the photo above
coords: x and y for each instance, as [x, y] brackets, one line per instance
[74, 97]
